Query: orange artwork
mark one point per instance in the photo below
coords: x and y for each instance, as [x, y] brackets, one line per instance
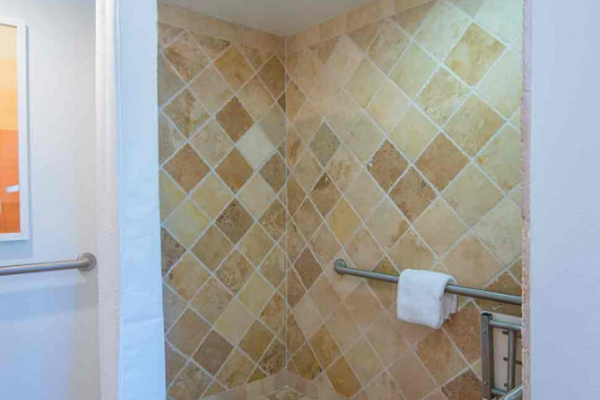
[10, 221]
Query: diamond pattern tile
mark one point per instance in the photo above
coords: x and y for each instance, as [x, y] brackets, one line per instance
[187, 223]
[442, 96]
[441, 161]
[234, 119]
[187, 113]
[274, 172]
[211, 88]
[212, 143]
[412, 194]
[364, 83]
[343, 221]
[273, 76]
[187, 168]
[325, 195]
[234, 67]
[387, 106]
[387, 165]
[212, 46]
[324, 144]
[364, 139]
[235, 170]
[234, 221]
[212, 248]
[256, 147]
[256, 245]
[234, 272]
[186, 56]
[211, 196]
[388, 46]
[256, 98]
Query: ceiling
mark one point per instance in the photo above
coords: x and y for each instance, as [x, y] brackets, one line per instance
[282, 17]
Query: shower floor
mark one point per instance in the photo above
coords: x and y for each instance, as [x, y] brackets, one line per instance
[284, 394]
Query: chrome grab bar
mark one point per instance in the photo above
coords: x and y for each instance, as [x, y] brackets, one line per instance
[85, 262]
[341, 268]
[515, 394]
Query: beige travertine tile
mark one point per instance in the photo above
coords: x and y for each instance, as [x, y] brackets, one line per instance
[501, 159]
[411, 377]
[388, 46]
[306, 363]
[256, 98]
[440, 357]
[233, 322]
[411, 253]
[274, 220]
[211, 195]
[170, 195]
[364, 361]
[308, 69]
[387, 224]
[212, 248]
[295, 290]
[413, 70]
[295, 195]
[294, 99]
[274, 172]
[385, 292]
[324, 346]
[234, 272]
[307, 121]
[441, 161]
[234, 67]
[413, 133]
[236, 370]
[386, 340]
[364, 194]
[256, 341]
[442, 96]
[324, 144]
[256, 56]
[363, 250]
[166, 34]
[517, 270]
[469, 6]
[212, 300]
[295, 241]
[274, 267]
[308, 170]
[168, 81]
[257, 195]
[364, 139]
[169, 139]
[307, 218]
[363, 37]
[173, 363]
[308, 317]
[440, 227]
[234, 221]
[502, 18]
[324, 296]
[473, 125]
[387, 165]
[324, 91]
[412, 194]
[211, 89]
[473, 56]
[187, 223]
[470, 263]
[324, 245]
[343, 379]
[437, 395]
[273, 76]
[295, 338]
[171, 250]
[187, 277]
[363, 306]
[382, 387]
[273, 124]
[472, 195]
[325, 195]
[364, 83]
[411, 19]
[388, 106]
[213, 352]
[212, 46]
[343, 328]
[256, 244]
[187, 168]
[212, 143]
[295, 148]
[234, 119]
[187, 113]
[190, 384]
[234, 170]
[502, 86]
[274, 359]
[501, 230]
[466, 386]
[463, 329]
[186, 56]
[308, 268]
[173, 307]
[442, 29]
[188, 332]
[343, 167]
[344, 113]
[504, 284]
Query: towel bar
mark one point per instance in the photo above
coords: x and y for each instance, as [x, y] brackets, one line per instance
[84, 262]
[341, 268]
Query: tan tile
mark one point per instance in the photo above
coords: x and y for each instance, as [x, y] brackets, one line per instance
[324, 144]
[325, 91]
[212, 46]
[442, 29]
[274, 267]
[369, 13]
[295, 290]
[273, 315]
[273, 76]
[387, 224]
[212, 248]
[173, 307]
[295, 148]
[440, 357]
[234, 272]
[171, 250]
[234, 221]
[387, 165]
[364, 194]
[295, 338]
[441, 161]
[295, 241]
[471, 264]
[469, 6]
[463, 329]
[364, 83]
[233, 322]
[501, 159]
[345, 59]
[212, 143]
[173, 363]
[234, 119]
[275, 358]
[413, 70]
[325, 195]
[307, 70]
[187, 168]
[256, 244]
[186, 57]
[411, 377]
[295, 194]
[501, 231]
[382, 387]
[324, 245]
[256, 341]
[324, 296]
[187, 223]
[413, 133]
[187, 277]
[364, 361]
[504, 284]
[188, 332]
[308, 171]
[502, 86]
[308, 317]
[166, 34]
[517, 270]
[472, 195]
[411, 19]
[437, 395]
[388, 46]
[212, 90]
[343, 379]
[257, 56]
[442, 96]
[473, 56]
[169, 139]
[274, 172]
[502, 18]
[440, 227]
[411, 253]
[363, 306]
[307, 121]
[324, 346]
[190, 384]
[343, 167]
[256, 196]
[187, 113]
[236, 370]
[343, 328]
[465, 387]
[363, 250]
[307, 364]
[343, 221]
[473, 125]
[388, 106]
[274, 220]
[212, 300]
[169, 83]
[273, 125]
[213, 352]
[256, 98]
[385, 292]
[412, 194]
[211, 196]
[363, 37]
[386, 340]
[214, 388]
[307, 218]
[343, 113]
[294, 99]
[234, 67]
[234, 170]
[308, 268]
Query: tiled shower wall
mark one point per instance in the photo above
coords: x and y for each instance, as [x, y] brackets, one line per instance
[404, 152]
[222, 187]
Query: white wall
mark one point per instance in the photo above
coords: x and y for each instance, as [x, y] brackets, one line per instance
[48, 322]
[565, 208]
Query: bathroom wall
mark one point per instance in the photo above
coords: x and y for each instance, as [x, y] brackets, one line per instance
[404, 152]
[222, 191]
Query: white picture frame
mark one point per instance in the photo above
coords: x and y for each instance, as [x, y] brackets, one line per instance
[23, 120]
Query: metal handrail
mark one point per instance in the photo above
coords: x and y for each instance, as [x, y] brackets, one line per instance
[85, 262]
[515, 394]
[341, 268]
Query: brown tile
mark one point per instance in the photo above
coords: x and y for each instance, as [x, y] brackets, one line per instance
[324, 347]
[463, 328]
[234, 67]
[213, 352]
[517, 270]
[236, 370]
[363, 250]
[187, 168]
[187, 277]
[325, 49]
[256, 196]
[295, 290]
[273, 316]
[274, 172]
[234, 272]
[504, 284]
[466, 387]
[295, 338]
[442, 96]
[256, 56]
[274, 359]
[385, 292]
[214, 388]
[295, 242]
[440, 357]
[343, 167]
[387, 165]
[173, 363]
[212, 45]
[283, 102]
[169, 83]
[188, 332]
[324, 144]
[235, 170]
[295, 148]
[307, 121]
[343, 221]
[412, 253]
[343, 379]
[388, 46]
[386, 340]
[169, 139]
[274, 219]
[306, 363]
[166, 34]
[274, 267]
[411, 377]
[501, 230]
[273, 75]
[441, 162]
[411, 19]
[308, 317]
[190, 384]
[256, 245]
[187, 113]
[474, 55]
[364, 361]
[212, 300]
[256, 376]
[325, 195]
[173, 307]
[412, 194]
[235, 119]
[211, 89]
[212, 248]
[187, 223]
[363, 306]
[234, 221]
[307, 218]
[294, 100]
[324, 245]
[308, 268]
[470, 263]
[186, 56]
[171, 250]
[256, 340]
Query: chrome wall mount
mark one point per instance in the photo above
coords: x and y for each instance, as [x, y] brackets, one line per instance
[85, 262]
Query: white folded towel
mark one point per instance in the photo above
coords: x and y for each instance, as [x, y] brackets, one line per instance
[422, 299]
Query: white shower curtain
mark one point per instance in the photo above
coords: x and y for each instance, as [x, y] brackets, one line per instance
[130, 288]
